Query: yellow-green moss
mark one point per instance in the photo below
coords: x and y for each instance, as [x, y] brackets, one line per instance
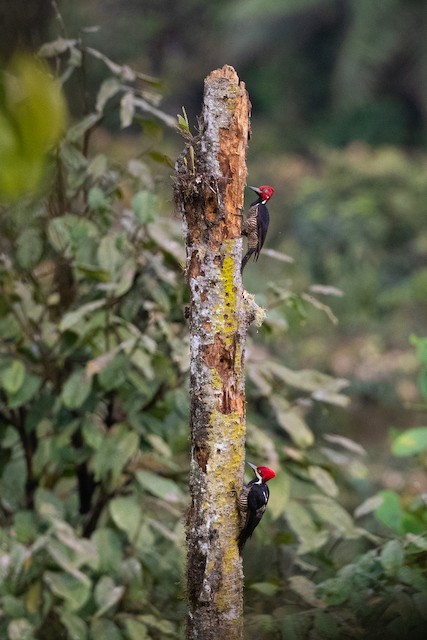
[225, 319]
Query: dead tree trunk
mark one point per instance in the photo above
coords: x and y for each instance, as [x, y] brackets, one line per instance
[210, 179]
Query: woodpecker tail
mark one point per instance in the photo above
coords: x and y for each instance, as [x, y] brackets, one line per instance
[246, 258]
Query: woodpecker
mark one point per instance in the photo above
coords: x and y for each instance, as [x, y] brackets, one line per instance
[253, 502]
[255, 226]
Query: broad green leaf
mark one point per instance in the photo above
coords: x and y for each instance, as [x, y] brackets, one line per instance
[158, 486]
[109, 258]
[335, 590]
[296, 626]
[108, 89]
[32, 117]
[410, 442]
[135, 630]
[73, 317]
[118, 446]
[25, 526]
[47, 505]
[144, 205]
[126, 513]
[75, 625]
[266, 588]
[279, 495]
[13, 377]
[77, 131]
[26, 391]
[13, 482]
[324, 480]
[326, 626]
[329, 511]
[29, 248]
[103, 629]
[13, 607]
[306, 589]
[392, 557]
[73, 590]
[164, 626]
[389, 512]
[308, 534]
[107, 594]
[76, 389]
[421, 347]
[109, 549]
[295, 426]
[96, 199]
[345, 443]
[368, 506]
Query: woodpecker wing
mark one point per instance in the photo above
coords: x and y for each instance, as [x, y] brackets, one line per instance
[255, 501]
[263, 220]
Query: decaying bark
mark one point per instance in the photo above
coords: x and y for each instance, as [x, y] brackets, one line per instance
[210, 179]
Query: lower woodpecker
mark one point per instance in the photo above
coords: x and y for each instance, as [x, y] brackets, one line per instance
[255, 226]
[253, 502]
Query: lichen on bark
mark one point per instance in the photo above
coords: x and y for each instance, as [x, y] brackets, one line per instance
[209, 184]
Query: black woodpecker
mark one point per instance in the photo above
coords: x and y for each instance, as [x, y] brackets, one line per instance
[253, 502]
[255, 226]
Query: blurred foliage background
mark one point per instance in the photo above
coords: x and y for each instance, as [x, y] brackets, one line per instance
[93, 347]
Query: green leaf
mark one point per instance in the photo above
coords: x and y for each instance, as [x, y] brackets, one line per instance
[96, 199]
[324, 480]
[144, 205]
[279, 495]
[29, 248]
[421, 347]
[331, 512]
[75, 625]
[13, 377]
[73, 317]
[296, 626]
[410, 442]
[326, 626]
[109, 548]
[389, 512]
[306, 589]
[135, 630]
[109, 88]
[266, 588]
[76, 389]
[293, 423]
[115, 451]
[76, 132]
[103, 629]
[158, 486]
[26, 391]
[107, 594]
[75, 591]
[126, 514]
[392, 557]
[47, 505]
[308, 534]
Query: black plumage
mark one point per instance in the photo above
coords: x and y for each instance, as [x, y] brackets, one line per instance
[253, 502]
[255, 226]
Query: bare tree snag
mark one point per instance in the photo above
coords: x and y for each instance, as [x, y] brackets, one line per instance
[210, 180]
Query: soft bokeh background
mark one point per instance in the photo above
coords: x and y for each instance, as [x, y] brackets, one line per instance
[339, 97]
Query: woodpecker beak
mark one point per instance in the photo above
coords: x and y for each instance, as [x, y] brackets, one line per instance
[254, 467]
[258, 192]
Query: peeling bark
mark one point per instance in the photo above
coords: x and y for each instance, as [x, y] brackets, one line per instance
[210, 179]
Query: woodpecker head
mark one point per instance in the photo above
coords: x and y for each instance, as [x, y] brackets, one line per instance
[264, 474]
[264, 192]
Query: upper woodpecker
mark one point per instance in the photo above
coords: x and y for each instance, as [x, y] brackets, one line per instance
[255, 226]
[253, 502]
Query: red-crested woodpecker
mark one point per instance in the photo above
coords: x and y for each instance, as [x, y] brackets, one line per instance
[253, 502]
[255, 226]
